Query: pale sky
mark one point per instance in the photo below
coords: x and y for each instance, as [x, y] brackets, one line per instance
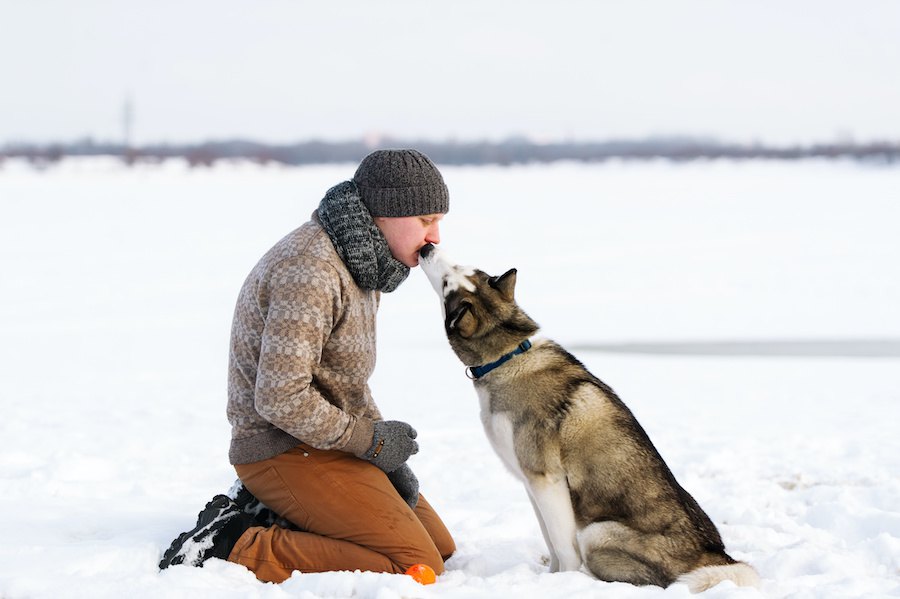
[280, 70]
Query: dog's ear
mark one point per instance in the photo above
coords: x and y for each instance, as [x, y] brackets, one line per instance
[462, 320]
[505, 284]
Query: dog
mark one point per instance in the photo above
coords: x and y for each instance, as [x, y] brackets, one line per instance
[603, 495]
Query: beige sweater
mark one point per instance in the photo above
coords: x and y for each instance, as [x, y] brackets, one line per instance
[302, 351]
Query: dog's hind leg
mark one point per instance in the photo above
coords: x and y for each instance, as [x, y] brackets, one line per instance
[607, 550]
[557, 517]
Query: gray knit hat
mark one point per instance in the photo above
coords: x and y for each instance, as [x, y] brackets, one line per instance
[401, 183]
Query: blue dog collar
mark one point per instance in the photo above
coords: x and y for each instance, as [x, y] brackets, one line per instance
[476, 372]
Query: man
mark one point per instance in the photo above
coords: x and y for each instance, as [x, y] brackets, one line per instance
[308, 441]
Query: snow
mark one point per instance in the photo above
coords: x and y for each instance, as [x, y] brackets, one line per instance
[118, 286]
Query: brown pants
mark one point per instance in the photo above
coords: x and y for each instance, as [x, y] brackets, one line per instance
[351, 516]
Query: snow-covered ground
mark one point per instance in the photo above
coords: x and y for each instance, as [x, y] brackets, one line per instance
[117, 288]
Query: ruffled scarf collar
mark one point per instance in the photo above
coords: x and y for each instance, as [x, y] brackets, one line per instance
[358, 240]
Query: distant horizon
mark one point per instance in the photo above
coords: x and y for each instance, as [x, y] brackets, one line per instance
[536, 140]
[454, 152]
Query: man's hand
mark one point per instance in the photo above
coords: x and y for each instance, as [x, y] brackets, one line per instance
[406, 483]
[392, 444]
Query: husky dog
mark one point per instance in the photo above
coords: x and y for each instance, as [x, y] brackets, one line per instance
[603, 495]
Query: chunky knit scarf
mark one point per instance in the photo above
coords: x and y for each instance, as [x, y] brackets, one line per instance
[358, 240]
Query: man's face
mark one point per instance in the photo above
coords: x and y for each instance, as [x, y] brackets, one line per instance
[407, 234]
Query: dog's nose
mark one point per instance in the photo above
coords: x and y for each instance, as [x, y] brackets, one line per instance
[426, 249]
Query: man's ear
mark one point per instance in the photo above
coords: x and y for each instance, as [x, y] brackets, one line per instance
[462, 320]
[505, 284]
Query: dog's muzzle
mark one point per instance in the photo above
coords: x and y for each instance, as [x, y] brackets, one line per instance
[426, 250]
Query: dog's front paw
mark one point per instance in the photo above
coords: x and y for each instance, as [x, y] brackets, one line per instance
[554, 563]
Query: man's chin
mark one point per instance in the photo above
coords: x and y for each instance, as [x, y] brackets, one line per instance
[412, 261]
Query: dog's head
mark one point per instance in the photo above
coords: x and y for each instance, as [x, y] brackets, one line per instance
[481, 317]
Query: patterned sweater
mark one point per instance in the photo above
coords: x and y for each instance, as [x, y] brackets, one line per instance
[302, 351]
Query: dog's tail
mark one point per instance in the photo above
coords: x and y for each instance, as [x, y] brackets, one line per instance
[707, 577]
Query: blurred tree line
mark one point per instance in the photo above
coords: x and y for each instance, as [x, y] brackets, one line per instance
[508, 152]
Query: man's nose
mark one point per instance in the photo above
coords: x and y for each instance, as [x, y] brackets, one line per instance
[433, 234]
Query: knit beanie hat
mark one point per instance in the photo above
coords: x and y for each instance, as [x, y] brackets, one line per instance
[401, 183]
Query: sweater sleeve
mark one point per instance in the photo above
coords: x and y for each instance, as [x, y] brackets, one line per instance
[303, 299]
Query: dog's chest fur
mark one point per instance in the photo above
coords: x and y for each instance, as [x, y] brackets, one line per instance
[500, 432]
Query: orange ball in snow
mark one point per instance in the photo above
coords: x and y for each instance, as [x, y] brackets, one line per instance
[421, 573]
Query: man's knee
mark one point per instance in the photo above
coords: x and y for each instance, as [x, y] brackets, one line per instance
[446, 547]
[429, 556]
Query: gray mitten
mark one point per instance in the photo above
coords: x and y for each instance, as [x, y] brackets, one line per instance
[392, 444]
[406, 483]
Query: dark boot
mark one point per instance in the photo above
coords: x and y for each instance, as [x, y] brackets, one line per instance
[219, 526]
[263, 515]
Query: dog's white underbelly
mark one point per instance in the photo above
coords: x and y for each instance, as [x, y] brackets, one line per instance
[499, 430]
